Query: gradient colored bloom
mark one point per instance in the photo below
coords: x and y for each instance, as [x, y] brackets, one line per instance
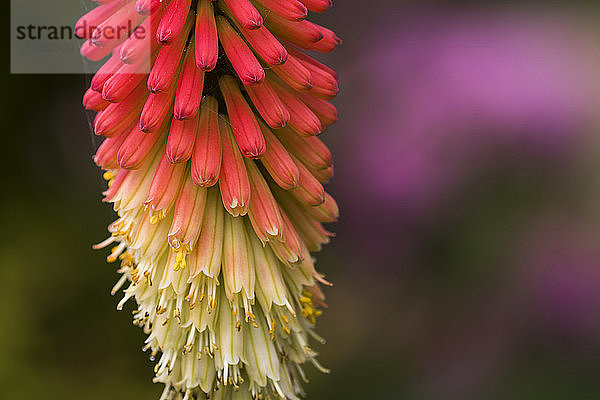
[210, 112]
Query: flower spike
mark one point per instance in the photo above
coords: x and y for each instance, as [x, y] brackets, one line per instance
[216, 174]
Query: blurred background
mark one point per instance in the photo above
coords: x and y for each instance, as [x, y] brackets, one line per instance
[467, 258]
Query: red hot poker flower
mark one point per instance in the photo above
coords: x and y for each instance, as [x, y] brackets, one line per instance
[210, 112]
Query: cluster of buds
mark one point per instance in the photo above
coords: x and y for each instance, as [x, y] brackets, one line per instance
[210, 112]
